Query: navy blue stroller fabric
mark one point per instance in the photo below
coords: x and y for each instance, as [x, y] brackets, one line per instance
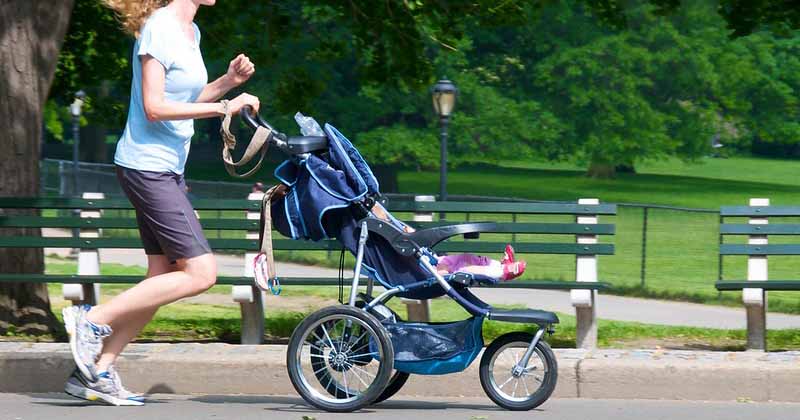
[322, 187]
[319, 184]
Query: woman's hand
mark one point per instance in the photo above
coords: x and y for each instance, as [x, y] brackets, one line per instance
[240, 69]
[237, 103]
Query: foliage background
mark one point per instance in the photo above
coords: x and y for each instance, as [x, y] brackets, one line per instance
[607, 84]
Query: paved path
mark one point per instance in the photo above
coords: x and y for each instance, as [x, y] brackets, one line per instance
[609, 307]
[177, 407]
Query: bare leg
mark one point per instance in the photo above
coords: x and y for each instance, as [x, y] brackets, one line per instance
[483, 270]
[126, 330]
[128, 312]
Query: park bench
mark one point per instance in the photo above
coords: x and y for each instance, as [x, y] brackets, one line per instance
[81, 287]
[754, 288]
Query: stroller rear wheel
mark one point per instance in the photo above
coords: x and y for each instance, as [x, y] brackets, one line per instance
[340, 359]
[524, 389]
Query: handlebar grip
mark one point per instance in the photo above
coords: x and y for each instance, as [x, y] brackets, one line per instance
[247, 115]
[254, 120]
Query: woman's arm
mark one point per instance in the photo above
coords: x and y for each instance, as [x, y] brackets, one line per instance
[156, 108]
[239, 71]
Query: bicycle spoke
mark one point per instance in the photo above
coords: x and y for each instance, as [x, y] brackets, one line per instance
[346, 388]
[506, 382]
[320, 369]
[364, 371]
[366, 385]
[525, 384]
[362, 355]
[328, 337]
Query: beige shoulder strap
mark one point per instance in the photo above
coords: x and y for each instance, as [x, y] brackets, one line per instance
[258, 142]
[265, 239]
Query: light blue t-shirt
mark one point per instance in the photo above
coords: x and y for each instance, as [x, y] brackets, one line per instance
[162, 146]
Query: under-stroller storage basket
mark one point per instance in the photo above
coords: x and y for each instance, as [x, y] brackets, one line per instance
[435, 349]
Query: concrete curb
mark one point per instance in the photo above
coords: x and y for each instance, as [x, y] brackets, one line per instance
[240, 369]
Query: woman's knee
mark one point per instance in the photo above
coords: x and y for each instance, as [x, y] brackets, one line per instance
[203, 272]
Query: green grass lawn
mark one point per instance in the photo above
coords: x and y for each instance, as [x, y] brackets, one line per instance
[221, 322]
[681, 248]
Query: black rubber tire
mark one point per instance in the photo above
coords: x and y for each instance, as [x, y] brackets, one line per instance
[548, 384]
[398, 380]
[381, 378]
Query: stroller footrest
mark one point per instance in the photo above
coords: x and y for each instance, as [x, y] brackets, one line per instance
[525, 316]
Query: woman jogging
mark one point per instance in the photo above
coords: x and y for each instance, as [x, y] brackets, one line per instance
[170, 89]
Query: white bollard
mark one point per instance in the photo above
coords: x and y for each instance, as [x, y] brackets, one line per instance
[754, 299]
[251, 298]
[584, 300]
[88, 261]
[420, 310]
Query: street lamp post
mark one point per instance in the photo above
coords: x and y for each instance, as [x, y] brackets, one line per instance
[444, 94]
[75, 110]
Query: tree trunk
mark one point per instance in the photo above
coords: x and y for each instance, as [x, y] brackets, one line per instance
[601, 170]
[31, 33]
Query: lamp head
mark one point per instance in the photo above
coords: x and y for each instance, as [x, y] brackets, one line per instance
[444, 94]
[75, 107]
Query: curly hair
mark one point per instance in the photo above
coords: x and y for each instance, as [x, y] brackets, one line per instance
[133, 13]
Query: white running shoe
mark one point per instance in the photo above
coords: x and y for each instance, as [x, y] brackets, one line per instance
[85, 339]
[104, 389]
[123, 393]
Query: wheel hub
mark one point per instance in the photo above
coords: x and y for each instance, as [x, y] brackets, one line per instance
[338, 361]
[517, 371]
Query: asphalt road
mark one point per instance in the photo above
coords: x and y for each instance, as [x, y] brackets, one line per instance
[177, 407]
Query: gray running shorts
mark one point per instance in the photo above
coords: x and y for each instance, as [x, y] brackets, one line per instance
[167, 222]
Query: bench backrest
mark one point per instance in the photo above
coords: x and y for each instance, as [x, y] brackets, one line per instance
[243, 224]
[757, 249]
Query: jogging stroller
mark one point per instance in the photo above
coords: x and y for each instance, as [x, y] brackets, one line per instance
[345, 357]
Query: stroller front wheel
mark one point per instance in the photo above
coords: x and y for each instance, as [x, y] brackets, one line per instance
[524, 390]
[340, 359]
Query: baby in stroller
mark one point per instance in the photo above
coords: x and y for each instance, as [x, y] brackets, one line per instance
[506, 269]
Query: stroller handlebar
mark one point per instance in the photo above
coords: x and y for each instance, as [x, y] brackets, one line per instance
[292, 146]
[254, 120]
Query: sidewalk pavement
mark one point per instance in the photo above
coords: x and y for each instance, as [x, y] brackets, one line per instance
[241, 369]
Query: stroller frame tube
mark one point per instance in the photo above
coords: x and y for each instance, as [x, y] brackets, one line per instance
[520, 367]
[362, 241]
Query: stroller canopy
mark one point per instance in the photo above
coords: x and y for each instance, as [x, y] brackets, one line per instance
[320, 183]
[321, 188]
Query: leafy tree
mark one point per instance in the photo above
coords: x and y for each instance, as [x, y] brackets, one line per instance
[31, 33]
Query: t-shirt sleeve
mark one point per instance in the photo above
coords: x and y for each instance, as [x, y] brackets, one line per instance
[155, 42]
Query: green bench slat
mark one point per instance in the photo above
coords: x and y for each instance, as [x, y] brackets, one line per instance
[243, 224]
[210, 204]
[748, 229]
[540, 228]
[116, 203]
[775, 249]
[494, 207]
[527, 248]
[756, 211]
[312, 281]
[74, 278]
[552, 285]
[115, 223]
[766, 285]
[288, 244]
[132, 243]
